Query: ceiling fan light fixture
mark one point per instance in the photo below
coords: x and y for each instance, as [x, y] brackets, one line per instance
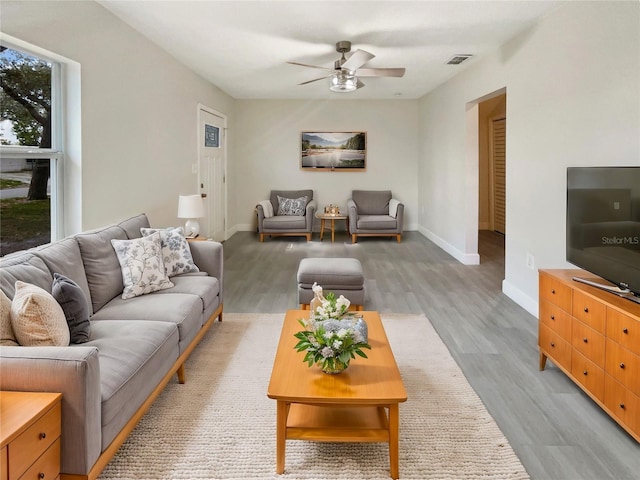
[343, 82]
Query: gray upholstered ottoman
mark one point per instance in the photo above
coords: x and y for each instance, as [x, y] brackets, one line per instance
[342, 276]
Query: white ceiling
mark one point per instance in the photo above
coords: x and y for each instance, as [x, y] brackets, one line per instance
[243, 46]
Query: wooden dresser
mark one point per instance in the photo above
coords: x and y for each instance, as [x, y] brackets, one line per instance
[594, 337]
[30, 435]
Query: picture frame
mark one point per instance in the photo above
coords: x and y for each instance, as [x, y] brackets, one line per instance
[333, 151]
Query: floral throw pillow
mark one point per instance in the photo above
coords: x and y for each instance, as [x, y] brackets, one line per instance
[176, 253]
[142, 266]
[292, 206]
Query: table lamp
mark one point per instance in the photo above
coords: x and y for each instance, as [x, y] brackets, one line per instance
[191, 207]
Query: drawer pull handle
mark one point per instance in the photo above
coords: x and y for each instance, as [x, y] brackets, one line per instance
[553, 291]
[553, 344]
[586, 309]
[625, 330]
[553, 317]
[622, 406]
[41, 475]
[585, 340]
[584, 372]
[622, 365]
[42, 435]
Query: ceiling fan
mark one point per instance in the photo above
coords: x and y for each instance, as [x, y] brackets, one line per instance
[344, 76]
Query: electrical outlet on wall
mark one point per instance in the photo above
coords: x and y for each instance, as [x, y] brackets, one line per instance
[530, 261]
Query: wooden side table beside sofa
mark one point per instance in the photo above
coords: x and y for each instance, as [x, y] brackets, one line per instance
[30, 434]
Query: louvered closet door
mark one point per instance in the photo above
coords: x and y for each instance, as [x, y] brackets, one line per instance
[498, 147]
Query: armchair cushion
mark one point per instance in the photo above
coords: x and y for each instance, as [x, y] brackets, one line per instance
[371, 202]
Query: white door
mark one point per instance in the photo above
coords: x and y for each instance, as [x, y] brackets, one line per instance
[212, 163]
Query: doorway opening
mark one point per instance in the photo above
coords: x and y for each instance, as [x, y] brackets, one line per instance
[492, 168]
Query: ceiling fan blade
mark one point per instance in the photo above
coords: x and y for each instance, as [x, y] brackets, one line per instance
[357, 59]
[380, 72]
[314, 80]
[311, 66]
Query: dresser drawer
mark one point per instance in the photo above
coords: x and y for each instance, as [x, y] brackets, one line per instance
[588, 374]
[623, 329]
[555, 292]
[588, 342]
[47, 466]
[556, 319]
[555, 347]
[622, 402]
[623, 365]
[589, 311]
[34, 441]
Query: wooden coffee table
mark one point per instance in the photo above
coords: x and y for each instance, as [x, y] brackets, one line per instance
[358, 405]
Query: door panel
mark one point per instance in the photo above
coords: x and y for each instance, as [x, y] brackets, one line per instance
[211, 172]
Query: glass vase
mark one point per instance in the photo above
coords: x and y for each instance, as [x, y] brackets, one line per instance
[338, 367]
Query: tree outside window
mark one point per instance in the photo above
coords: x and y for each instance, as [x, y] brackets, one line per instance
[25, 116]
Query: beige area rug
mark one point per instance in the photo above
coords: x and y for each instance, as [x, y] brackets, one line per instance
[221, 425]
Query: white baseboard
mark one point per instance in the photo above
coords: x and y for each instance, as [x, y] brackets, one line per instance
[464, 258]
[521, 298]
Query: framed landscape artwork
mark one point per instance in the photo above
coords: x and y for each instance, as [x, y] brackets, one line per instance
[330, 151]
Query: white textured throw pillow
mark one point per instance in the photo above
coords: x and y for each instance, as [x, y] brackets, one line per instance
[292, 206]
[7, 337]
[37, 318]
[176, 253]
[142, 266]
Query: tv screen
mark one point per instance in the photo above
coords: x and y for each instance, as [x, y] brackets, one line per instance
[603, 223]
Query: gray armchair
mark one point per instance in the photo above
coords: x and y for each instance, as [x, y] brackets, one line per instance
[374, 213]
[287, 213]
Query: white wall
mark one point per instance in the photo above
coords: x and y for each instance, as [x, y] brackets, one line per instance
[139, 111]
[266, 152]
[573, 99]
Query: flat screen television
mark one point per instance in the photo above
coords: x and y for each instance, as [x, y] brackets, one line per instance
[603, 225]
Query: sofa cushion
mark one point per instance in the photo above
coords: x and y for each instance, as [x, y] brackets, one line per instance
[24, 266]
[292, 206]
[7, 337]
[183, 310]
[207, 288]
[134, 357]
[372, 202]
[176, 253]
[376, 222]
[74, 305]
[133, 225]
[142, 266]
[101, 264]
[37, 318]
[64, 257]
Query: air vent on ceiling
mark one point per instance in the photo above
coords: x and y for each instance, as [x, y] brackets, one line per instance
[458, 59]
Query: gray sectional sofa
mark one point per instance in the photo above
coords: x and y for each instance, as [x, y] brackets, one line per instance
[135, 347]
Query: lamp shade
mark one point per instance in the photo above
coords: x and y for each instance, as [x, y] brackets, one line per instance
[190, 206]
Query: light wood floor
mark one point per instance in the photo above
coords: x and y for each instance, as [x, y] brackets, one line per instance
[556, 430]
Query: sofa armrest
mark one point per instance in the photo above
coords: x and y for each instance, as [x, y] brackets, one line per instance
[352, 211]
[260, 213]
[310, 214]
[400, 216]
[74, 372]
[208, 256]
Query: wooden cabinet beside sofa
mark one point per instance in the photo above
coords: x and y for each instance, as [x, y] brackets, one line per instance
[31, 424]
[593, 336]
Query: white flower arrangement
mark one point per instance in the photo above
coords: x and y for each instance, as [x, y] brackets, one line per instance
[328, 341]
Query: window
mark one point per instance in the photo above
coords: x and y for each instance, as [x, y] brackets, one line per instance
[30, 149]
